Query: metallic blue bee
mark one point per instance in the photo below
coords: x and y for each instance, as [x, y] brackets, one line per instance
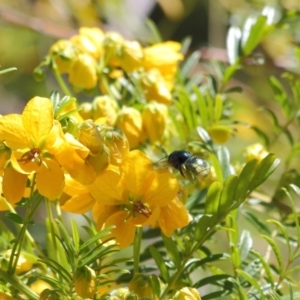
[191, 167]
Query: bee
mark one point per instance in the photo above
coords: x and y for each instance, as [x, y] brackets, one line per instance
[191, 167]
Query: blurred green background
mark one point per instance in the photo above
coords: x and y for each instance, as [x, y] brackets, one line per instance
[29, 27]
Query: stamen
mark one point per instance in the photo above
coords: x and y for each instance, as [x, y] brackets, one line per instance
[142, 209]
[32, 155]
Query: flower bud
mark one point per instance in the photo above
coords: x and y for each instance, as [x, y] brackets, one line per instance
[23, 264]
[49, 295]
[105, 106]
[132, 56]
[130, 122]
[100, 161]
[220, 134]
[95, 35]
[64, 53]
[141, 285]
[86, 110]
[112, 44]
[116, 142]
[85, 45]
[155, 117]
[83, 72]
[39, 286]
[89, 136]
[187, 293]
[39, 74]
[156, 88]
[255, 151]
[85, 282]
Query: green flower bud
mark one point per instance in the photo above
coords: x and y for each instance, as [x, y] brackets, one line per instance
[141, 285]
[49, 295]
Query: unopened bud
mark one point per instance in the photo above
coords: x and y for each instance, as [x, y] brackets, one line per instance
[85, 282]
[187, 293]
[141, 285]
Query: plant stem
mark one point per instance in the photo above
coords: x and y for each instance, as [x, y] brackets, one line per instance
[137, 249]
[60, 81]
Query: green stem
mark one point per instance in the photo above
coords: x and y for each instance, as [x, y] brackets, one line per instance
[60, 81]
[19, 285]
[137, 249]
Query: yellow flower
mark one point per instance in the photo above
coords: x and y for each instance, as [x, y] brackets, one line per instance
[156, 88]
[219, 133]
[105, 106]
[85, 282]
[83, 72]
[23, 264]
[132, 56]
[64, 53]
[155, 117]
[112, 44]
[95, 35]
[187, 293]
[163, 57]
[141, 285]
[130, 122]
[32, 137]
[136, 195]
[86, 110]
[76, 197]
[255, 151]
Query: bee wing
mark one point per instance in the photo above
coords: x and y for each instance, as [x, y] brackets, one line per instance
[201, 169]
[187, 172]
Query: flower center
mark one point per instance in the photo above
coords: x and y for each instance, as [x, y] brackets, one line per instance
[33, 155]
[141, 208]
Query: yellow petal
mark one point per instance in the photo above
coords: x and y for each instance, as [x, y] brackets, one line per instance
[162, 189]
[26, 167]
[135, 171]
[73, 187]
[106, 188]
[37, 118]
[102, 212]
[3, 205]
[50, 179]
[14, 184]
[124, 230]
[173, 216]
[79, 204]
[12, 132]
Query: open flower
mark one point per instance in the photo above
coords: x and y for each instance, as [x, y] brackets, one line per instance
[136, 195]
[31, 136]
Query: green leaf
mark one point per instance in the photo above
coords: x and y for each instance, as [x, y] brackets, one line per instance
[160, 263]
[245, 244]
[14, 218]
[261, 227]
[252, 34]
[75, 235]
[273, 117]
[266, 167]
[261, 134]
[276, 252]
[229, 72]
[224, 160]
[155, 284]
[284, 233]
[172, 250]
[156, 37]
[190, 63]
[218, 107]
[212, 199]
[202, 226]
[215, 295]
[265, 265]
[202, 107]
[280, 95]
[227, 195]
[211, 280]
[245, 177]
[233, 41]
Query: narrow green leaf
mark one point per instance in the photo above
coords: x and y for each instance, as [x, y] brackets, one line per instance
[245, 177]
[245, 244]
[202, 107]
[212, 199]
[210, 106]
[202, 226]
[297, 191]
[172, 250]
[156, 37]
[217, 167]
[289, 136]
[252, 281]
[190, 63]
[218, 107]
[75, 235]
[276, 252]
[273, 118]
[261, 134]
[8, 70]
[280, 95]
[253, 32]
[14, 218]
[284, 233]
[224, 160]
[233, 41]
[155, 284]
[266, 167]
[261, 227]
[67, 239]
[229, 72]
[160, 263]
[178, 126]
[265, 265]
[227, 195]
[211, 280]
[215, 295]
